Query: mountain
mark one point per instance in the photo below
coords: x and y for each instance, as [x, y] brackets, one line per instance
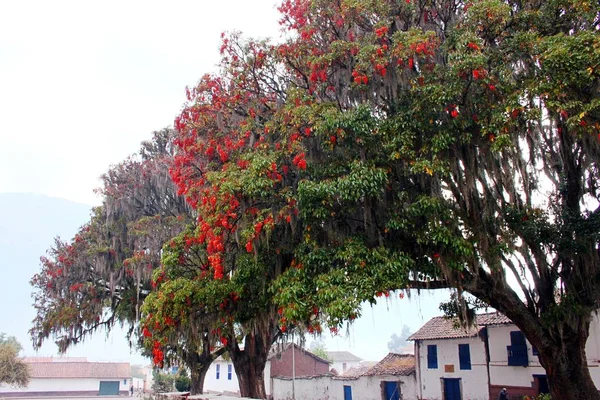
[28, 225]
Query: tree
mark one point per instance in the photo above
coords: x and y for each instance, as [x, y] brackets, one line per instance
[13, 371]
[102, 275]
[455, 144]
[162, 382]
[319, 348]
[397, 343]
[182, 381]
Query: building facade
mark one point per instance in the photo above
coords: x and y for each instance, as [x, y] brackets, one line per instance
[475, 363]
[65, 377]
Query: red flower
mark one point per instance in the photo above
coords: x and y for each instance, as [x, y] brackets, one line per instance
[454, 113]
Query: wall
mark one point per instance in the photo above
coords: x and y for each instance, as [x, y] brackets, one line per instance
[306, 365]
[332, 388]
[520, 380]
[369, 387]
[222, 384]
[64, 386]
[314, 388]
[473, 382]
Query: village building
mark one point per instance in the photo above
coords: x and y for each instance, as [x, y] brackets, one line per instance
[50, 376]
[457, 363]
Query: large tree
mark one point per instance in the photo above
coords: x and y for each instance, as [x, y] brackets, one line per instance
[456, 142]
[103, 274]
[13, 371]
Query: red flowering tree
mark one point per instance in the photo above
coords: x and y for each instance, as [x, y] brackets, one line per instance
[456, 145]
[103, 274]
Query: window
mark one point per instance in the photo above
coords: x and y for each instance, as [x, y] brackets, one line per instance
[432, 362]
[343, 367]
[534, 350]
[229, 371]
[218, 371]
[517, 351]
[125, 382]
[464, 356]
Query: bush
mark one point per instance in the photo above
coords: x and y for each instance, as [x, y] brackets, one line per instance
[183, 382]
[162, 382]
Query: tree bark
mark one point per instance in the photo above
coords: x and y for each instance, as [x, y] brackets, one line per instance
[250, 362]
[565, 363]
[199, 364]
[197, 378]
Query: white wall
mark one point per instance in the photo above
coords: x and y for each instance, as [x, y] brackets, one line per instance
[62, 384]
[502, 374]
[331, 388]
[473, 382]
[369, 387]
[317, 388]
[222, 384]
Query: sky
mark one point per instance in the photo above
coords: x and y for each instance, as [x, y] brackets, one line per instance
[83, 83]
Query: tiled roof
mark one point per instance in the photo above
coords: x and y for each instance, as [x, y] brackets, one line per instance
[79, 370]
[356, 372]
[447, 328]
[393, 364]
[336, 356]
[279, 348]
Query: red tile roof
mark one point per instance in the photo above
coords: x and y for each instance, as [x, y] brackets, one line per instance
[393, 364]
[79, 370]
[447, 328]
[356, 372]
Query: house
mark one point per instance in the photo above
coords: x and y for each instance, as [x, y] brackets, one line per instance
[392, 378]
[72, 377]
[342, 360]
[455, 363]
[284, 360]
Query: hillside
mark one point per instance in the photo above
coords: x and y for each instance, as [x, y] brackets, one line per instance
[28, 225]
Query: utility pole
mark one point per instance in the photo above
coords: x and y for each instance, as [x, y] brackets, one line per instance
[293, 368]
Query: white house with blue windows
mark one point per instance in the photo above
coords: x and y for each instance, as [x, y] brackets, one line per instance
[475, 363]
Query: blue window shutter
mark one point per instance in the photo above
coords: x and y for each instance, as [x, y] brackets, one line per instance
[218, 370]
[229, 371]
[464, 356]
[517, 351]
[432, 361]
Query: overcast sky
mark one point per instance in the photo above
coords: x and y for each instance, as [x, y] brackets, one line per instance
[82, 83]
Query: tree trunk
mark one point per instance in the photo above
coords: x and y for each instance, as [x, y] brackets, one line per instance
[565, 363]
[197, 378]
[250, 362]
[199, 364]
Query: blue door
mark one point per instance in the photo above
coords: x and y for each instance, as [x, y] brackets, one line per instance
[451, 389]
[392, 391]
[347, 392]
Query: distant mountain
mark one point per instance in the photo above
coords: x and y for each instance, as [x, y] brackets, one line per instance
[28, 225]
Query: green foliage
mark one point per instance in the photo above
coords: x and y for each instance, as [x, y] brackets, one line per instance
[13, 371]
[162, 382]
[182, 381]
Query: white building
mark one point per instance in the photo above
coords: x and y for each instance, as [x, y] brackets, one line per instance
[393, 378]
[454, 363]
[65, 377]
[341, 361]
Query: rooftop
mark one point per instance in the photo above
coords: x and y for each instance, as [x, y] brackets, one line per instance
[336, 356]
[449, 328]
[393, 364]
[65, 369]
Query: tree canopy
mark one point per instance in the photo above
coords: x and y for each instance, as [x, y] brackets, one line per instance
[13, 371]
[383, 145]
